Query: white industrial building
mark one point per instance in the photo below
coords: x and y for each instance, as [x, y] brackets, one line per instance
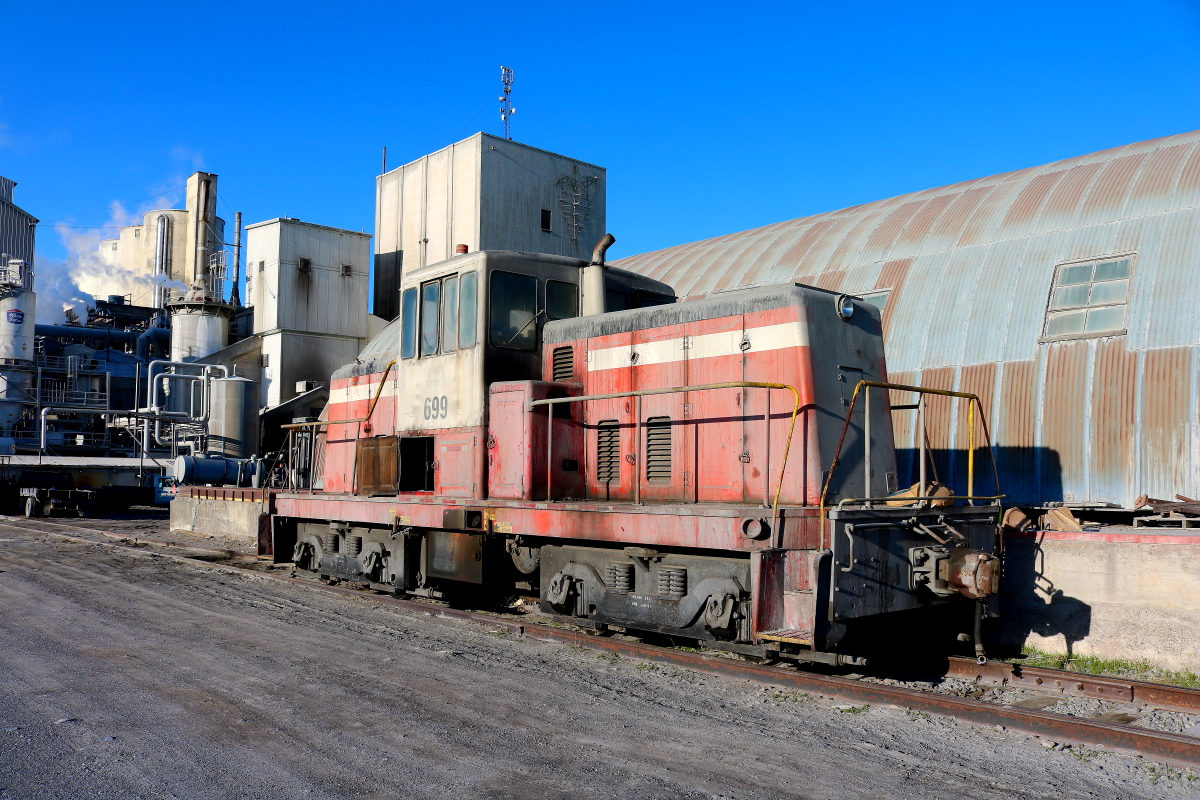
[169, 250]
[483, 193]
[308, 285]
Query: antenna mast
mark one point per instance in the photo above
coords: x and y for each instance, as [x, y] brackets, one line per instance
[506, 106]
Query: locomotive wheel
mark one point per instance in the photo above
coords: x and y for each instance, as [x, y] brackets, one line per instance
[32, 507]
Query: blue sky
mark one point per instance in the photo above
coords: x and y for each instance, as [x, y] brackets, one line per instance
[709, 118]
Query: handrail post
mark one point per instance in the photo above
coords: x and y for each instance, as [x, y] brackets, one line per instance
[637, 451]
[921, 433]
[867, 443]
[767, 447]
[549, 451]
[970, 451]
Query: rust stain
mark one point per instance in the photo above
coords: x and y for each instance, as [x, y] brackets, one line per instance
[1165, 464]
[891, 276]
[1024, 209]
[1108, 192]
[1062, 419]
[1059, 210]
[1016, 430]
[918, 228]
[1113, 383]
[830, 280]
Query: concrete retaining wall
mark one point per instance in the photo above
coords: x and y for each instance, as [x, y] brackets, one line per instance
[1122, 594]
[229, 519]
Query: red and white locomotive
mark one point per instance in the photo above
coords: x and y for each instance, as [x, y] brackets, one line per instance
[714, 469]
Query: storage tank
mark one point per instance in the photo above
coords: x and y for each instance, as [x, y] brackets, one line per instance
[18, 314]
[199, 324]
[233, 422]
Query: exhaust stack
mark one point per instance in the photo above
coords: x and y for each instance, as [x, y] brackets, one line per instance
[593, 277]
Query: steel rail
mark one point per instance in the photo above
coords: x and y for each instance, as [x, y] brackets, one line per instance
[1160, 745]
[1045, 680]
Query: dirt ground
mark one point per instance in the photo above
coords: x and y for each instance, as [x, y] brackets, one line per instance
[124, 674]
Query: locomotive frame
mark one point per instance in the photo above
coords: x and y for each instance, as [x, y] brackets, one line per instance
[632, 466]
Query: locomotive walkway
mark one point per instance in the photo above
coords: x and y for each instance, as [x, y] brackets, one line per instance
[125, 672]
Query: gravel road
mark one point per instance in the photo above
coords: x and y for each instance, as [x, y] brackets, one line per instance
[123, 674]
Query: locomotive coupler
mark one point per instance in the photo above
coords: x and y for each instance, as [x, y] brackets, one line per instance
[947, 571]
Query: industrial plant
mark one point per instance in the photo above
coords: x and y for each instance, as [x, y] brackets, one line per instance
[284, 386]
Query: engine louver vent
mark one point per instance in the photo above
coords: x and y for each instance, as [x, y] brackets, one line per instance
[608, 451]
[658, 450]
[564, 365]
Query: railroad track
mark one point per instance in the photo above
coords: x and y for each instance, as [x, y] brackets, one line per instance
[1174, 748]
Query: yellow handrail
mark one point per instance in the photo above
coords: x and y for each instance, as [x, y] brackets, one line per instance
[900, 387]
[704, 387]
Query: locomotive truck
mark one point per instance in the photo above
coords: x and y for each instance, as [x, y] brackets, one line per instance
[718, 470]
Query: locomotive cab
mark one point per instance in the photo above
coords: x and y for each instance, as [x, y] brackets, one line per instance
[465, 324]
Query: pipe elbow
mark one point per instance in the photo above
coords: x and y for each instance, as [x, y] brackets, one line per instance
[601, 248]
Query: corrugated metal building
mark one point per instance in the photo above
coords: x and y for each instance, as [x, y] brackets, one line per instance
[17, 227]
[1065, 296]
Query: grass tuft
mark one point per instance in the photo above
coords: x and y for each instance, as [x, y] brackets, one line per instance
[1111, 667]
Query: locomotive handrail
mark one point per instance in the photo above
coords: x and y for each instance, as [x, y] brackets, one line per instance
[639, 393]
[370, 410]
[920, 407]
[927, 497]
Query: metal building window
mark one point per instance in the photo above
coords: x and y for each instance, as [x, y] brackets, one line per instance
[547, 219]
[658, 450]
[564, 365]
[262, 265]
[1089, 298]
[303, 264]
[347, 270]
[608, 451]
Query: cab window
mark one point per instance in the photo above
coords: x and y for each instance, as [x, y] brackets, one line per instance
[468, 291]
[562, 300]
[408, 326]
[431, 304]
[513, 310]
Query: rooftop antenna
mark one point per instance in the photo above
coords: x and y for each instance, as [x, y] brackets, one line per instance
[506, 106]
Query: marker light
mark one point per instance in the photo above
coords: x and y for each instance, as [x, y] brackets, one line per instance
[845, 306]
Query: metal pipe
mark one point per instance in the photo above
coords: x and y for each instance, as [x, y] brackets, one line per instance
[592, 279]
[235, 295]
[82, 334]
[162, 258]
[94, 411]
